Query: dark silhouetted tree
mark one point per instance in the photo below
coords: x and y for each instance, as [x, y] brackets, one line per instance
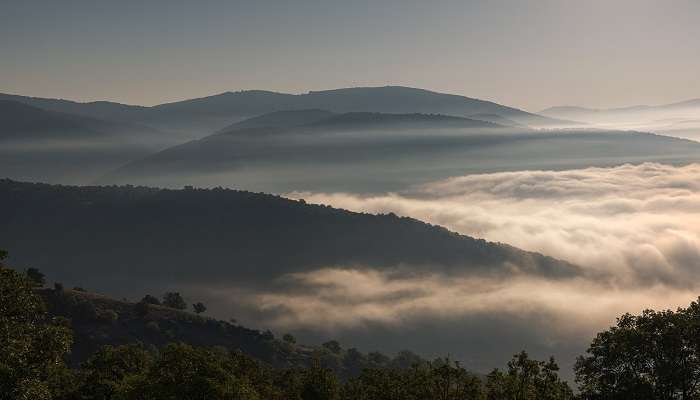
[36, 277]
[174, 300]
[199, 307]
[32, 345]
[148, 299]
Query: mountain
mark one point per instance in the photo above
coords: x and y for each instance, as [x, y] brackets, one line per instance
[278, 119]
[98, 320]
[371, 152]
[195, 118]
[681, 119]
[388, 99]
[497, 119]
[298, 156]
[127, 241]
[37, 144]
[97, 109]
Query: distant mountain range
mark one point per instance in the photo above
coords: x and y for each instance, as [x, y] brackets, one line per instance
[36, 144]
[680, 119]
[356, 139]
[198, 117]
[583, 113]
[319, 150]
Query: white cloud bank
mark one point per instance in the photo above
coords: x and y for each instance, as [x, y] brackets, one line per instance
[634, 228]
[638, 224]
[635, 231]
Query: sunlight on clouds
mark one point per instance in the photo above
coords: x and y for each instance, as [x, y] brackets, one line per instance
[340, 298]
[639, 225]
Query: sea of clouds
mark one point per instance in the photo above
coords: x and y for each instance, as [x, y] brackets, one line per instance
[635, 230]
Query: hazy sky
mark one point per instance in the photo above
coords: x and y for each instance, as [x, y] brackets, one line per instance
[529, 54]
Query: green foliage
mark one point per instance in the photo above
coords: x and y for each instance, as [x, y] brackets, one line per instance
[333, 346]
[288, 338]
[319, 383]
[111, 371]
[186, 372]
[174, 300]
[439, 380]
[32, 346]
[655, 355]
[527, 379]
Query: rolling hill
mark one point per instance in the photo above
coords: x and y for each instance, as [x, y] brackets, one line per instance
[195, 118]
[36, 144]
[369, 152]
[128, 240]
[681, 119]
[98, 320]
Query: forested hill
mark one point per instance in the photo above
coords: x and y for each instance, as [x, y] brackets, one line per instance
[98, 320]
[124, 240]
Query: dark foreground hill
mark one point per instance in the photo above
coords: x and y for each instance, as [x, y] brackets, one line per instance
[98, 320]
[127, 240]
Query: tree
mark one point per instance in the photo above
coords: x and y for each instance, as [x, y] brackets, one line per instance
[319, 383]
[289, 338]
[655, 355]
[174, 300]
[32, 345]
[527, 379]
[185, 372]
[333, 346]
[112, 370]
[36, 277]
[148, 299]
[199, 307]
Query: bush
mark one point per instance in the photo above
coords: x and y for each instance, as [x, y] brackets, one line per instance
[199, 307]
[153, 326]
[85, 310]
[289, 338]
[108, 316]
[174, 300]
[35, 277]
[141, 309]
[148, 299]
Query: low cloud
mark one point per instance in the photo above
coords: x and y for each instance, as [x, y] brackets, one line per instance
[638, 225]
[634, 230]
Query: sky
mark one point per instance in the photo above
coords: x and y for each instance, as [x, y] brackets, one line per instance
[530, 54]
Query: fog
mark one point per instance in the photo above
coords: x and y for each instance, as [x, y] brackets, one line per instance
[635, 230]
[678, 120]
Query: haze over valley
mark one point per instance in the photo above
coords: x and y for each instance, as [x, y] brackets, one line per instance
[376, 201]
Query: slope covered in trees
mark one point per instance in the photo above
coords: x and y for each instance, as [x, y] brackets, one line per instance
[35, 346]
[128, 240]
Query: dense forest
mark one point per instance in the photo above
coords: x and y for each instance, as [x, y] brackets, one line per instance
[135, 238]
[654, 355]
[40, 327]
